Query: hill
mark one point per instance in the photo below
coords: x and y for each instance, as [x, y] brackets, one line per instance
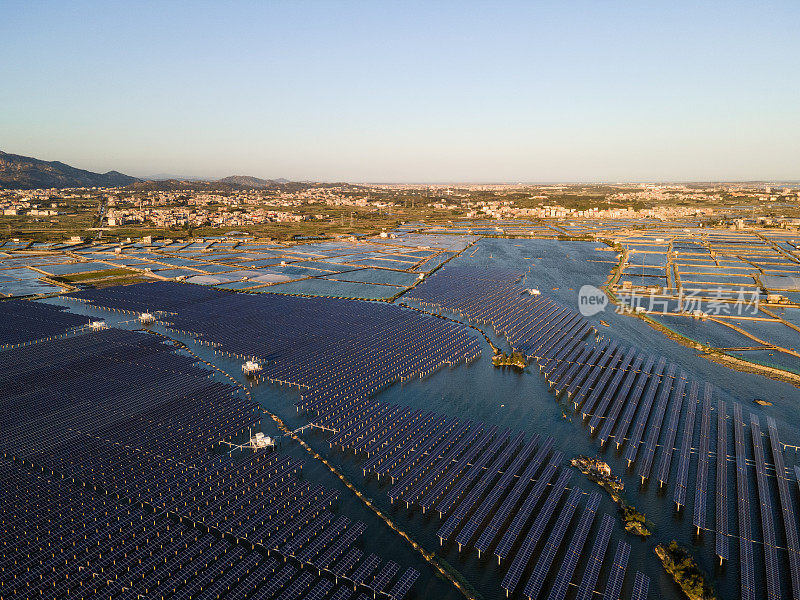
[251, 182]
[26, 173]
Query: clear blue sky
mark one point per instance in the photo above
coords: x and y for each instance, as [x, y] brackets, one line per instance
[407, 91]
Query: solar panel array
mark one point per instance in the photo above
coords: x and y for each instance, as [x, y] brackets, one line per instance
[132, 423]
[23, 322]
[337, 352]
[477, 479]
[645, 403]
[722, 484]
[747, 574]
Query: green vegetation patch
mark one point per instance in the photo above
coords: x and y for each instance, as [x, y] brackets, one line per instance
[104, 274]
[678, 562]
[515, 359]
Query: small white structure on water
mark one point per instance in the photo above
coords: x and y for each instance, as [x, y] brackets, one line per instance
[421, 276]
[251, 367]
[147, 318]
[534, 292]
[259, 440]
[97, 324]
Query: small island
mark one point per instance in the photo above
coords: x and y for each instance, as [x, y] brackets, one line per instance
[762, 402]
[634, 521]
[600, 472]
[678, 562]
[515, 359]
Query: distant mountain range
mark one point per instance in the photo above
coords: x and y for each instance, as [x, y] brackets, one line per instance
[26, 173]
[252, 182]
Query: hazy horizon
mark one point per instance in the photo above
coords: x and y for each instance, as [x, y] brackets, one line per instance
[575, 92]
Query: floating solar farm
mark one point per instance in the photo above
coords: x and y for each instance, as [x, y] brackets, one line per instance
[130, 465]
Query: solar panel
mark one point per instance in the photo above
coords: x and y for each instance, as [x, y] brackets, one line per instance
[344, 566]
[722, 484]
[481, 513]
[342, 594]
[384, 576]
[564, 576]
[319, 591]
[595, 559]
[366, 568]
[403, 585]
[651, 382]
[275, 583]
[668, 445]
[626, 370]
[604, 364]
[641, 421]
[571, 353]
[502, 514]
[449, 526]
[498, 455]
[686, 449]
[701, 486]
[654, 430]
[566, 372]
[574, 380]
[297, 587]
[787, 508]
[767, 514]
[623, 395]
[428, 497]
[336, 549]
[617, 573]
[746, 569]
[524, 512]
[536, 581]
[523, 555]
[641, 586]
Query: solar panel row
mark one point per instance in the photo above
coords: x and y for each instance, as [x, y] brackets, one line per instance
[100, 420]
